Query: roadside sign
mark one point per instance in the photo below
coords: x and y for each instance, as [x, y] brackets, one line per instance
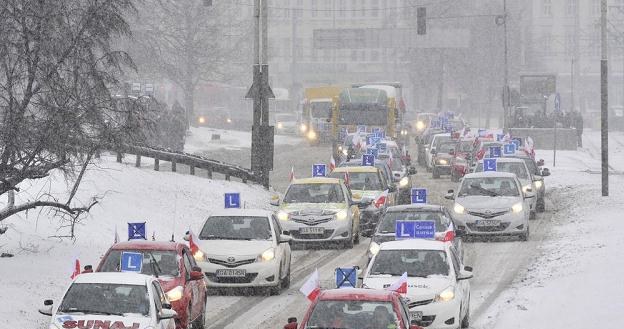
[557, 103]
[495, 152]
[368, 160]
[408, 229]
[131, 262]
[373, 151]
[136, 231]
[419, 195]
[361, 129]
[489, 164]
[319, 170]
[510, 149]
[232, 200]
[346, 277]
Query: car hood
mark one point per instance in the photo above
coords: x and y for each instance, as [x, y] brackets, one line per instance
[112, 321]
[417, 288]
[234, 247]
[488, 202]
[369, 194]
[313, 207]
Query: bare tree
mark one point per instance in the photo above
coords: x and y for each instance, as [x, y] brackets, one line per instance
[56, 67]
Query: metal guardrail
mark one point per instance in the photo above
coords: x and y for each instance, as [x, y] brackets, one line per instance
[191, 160]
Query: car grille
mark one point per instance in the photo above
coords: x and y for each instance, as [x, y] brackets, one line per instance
[298, 236]
[231, 264]
[487, 215]
[420, 303]
[500, 227]
[245, 279]
[426, 321]
[311, 220]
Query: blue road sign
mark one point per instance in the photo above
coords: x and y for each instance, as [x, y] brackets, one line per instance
[361, 129]
[136, 231]
[131, 261]
[557, 102]
[319, 170]
[346, 277]
[232, 200]
[489, 164]
[408, 229]
[495, 152]
[373, 151]
[509, 149]
[419, 195]
[368, 160]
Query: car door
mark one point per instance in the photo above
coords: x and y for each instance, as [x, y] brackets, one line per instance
[404, 316]
[280, 248]
[354, 209]
[462, 285]
[191, 288]
[457, 241]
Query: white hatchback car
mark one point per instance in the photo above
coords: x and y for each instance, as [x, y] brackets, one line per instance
[115, 300]
[435, 141]
[438, 290]
[244, 248]
[492, 203]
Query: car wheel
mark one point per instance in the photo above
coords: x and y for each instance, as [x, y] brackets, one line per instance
[286, 280]
[532, 214]
[199, 322]
[435, 173]
[349, 243]
[454, 177]
[540, 206]
[275, 290]
[525, 236]
[465, 323]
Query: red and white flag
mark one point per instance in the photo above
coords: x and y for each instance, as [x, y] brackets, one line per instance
[400, 285]
[357, 142]
[312, 287]
[381, 199]
[192, 242]
[449, 235]
[291, 177]
[347, 178]
[76, 269]
[116, 235]
[332, 164]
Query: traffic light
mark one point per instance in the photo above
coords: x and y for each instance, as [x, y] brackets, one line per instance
[421, 20]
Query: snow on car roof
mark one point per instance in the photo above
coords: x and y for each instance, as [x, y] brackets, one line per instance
[316, 180]
[357, 294]
[357, 169]
[415, 207]
[114, 278]
[241, 213]
[145, 245]
[490, 174]
[421, 244]
[390, 90]
[506, 159]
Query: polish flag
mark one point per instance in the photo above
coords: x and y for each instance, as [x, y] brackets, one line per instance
[116, 235]
[332, 164]
[449, 235]
[76, 271]
[507, 137]
[312, 287]
[192, 244]
[357, 142]
[400, 285]
[381, 199]
[291, 177]
[347, 178]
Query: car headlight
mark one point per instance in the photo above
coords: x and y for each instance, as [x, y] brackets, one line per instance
[175, 293]
[229, 120]
[267, 255]
[303, 128]
[404, 182]
[201, 120]
[443, 161]
[312, 135]
[199, 256]
[282, 215]
[525, 188]
[280, 125]
[345, 152]
[374, 248]
[420, 125]
[342, 214]
[459, 209]
[447, 295]
[517, 207]
[403, 132]
[538, 184]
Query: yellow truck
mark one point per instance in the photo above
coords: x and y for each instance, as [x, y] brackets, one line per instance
[316, 113]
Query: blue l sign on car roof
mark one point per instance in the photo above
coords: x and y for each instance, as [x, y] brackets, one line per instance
[495, 152]
[419, 195]
[346, 277]
[489, 164]
[510, 149]
[368, 160]
[319, 170]
[232, 200]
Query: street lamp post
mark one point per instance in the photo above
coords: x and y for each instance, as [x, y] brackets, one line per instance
[506, 117]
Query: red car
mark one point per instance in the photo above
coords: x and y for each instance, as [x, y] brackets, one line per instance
[462, 158]
[174, 266]
[358, 308]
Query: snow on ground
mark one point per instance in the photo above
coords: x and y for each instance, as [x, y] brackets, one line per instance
[200, 139]
[576, 279]
[168, 202]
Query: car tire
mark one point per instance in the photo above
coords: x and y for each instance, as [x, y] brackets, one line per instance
[532, 214]
[349, 243]
[276, 289]
[465, 322]
[199, 323]
[356, 240]
[540, 206]
[435, 173]
[454, 177]
[286, 280]
[524, 236]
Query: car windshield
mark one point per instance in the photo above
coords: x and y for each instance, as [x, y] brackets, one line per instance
[440, 139]
[517, 168]
[236, 228]
[531, 165]
[388, 222]
[418, 263]
[105, 298]
[465, 146]
[320, 109]
[315, 193]
[365, 181]
[489, 186]
[445, 147]
[155, 262]
[353, 315]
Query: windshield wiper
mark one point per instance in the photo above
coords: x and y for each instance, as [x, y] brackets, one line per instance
[85, 311]
[484, 191]
[155, 267]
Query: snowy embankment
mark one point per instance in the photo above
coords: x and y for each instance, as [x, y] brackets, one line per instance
[168, 202]
[576, 279]
[200, 140]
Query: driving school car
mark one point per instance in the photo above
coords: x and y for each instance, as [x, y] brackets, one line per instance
[319, 209]
[111, 301]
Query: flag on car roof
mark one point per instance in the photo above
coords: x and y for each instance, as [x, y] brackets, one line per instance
[312, 287]
[332, 164]
[381, 199]
[192, 244]
[347, 178]
[400, 285]
[291, 177]
[76, 270]
[116, 235]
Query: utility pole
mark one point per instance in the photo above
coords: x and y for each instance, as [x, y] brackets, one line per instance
[604, 100]
[506, 116]
[262, 143]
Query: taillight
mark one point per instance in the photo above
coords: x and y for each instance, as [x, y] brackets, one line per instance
[447, 237]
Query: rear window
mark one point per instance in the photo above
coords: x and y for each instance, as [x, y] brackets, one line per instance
[155, 262]
[517, 168]
[353, 314]
[388, 222]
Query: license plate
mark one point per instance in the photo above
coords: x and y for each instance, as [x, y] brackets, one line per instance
[488, 222]
[416, 315]
[231, 273]
[312, 230]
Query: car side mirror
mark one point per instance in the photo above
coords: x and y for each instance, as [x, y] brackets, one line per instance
[285, 239]
[545, 172]
[275, 200]
[460, 232]
[364, 203]
[452, 152]
[286, 233]
[196, 275]
[540, 162]
[450, 195]
[47, 307]
[412, 170]
[187, 236]
[464, 274]
[167, 313]
[433, 152]
[529, 194]
[392, 188]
